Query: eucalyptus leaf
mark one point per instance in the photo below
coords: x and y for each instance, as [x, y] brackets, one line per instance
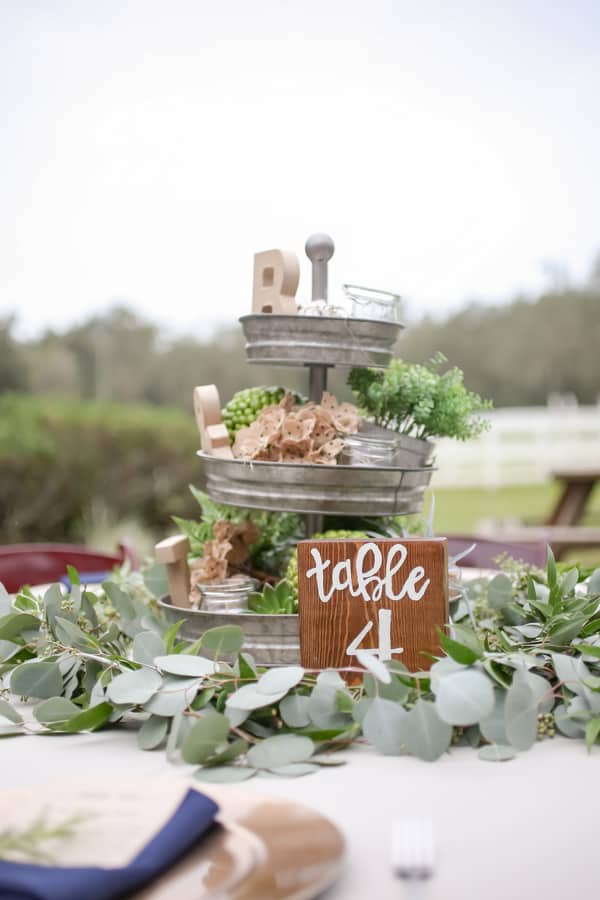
[247, 666]
[520, 714]
[182, 664]
[280, 750]
[204, 737]
[14, 624]
[37, 679]
[592, 730]
[496, 753]
[175, 695]
[384, 726]
[458, 652]
[568, 582]
[231, 752]
[444, 666]
[370, 661]
[463, 698]
[248, 697]
[360, 709]
[88, 720]
[225, 639]
[593, 587]
[152, 733]
[55, 710]
[121, 601]
[8, 649]
[331, 679]
[294, 711]
[155, 579]
[147, 645]
[499, 591]
[71, 635]
[565, 724]
[542, 690]
[566, 670]
[493, 726]
[322, 706]
[134, 687]
[426, 735]
[235, 716]
[7, 711]
[279, 679]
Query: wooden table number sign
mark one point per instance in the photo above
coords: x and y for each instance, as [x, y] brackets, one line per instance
[387, 596]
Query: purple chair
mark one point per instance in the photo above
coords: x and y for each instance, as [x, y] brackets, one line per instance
[486, 551]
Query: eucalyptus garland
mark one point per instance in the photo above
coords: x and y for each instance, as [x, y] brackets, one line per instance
[522, 662]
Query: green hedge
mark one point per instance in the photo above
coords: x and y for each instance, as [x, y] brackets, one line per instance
[60, 457]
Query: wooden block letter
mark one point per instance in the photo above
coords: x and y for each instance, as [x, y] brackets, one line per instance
[172, 552]
[214, 438]
[383, 596]
[276, 276]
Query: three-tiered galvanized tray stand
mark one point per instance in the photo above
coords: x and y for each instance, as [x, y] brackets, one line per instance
[318, 342]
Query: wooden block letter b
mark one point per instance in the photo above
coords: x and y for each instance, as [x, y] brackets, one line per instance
[276, 276]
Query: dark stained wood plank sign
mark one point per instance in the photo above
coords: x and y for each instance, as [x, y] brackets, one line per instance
[389, 596]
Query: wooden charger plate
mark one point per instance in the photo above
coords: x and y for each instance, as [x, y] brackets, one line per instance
[264, 848]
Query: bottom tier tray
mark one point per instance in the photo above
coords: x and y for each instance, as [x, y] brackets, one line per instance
[271, 640]
[334, 490]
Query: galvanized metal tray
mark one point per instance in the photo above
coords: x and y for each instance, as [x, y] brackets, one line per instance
[332, 490]
[273, 640]
[318, 340]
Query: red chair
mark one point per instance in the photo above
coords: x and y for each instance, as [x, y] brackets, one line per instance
[486, 551]
[42, 563]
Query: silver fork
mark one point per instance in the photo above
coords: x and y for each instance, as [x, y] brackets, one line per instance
[413, 848]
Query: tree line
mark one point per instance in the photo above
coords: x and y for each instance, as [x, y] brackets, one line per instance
[516, 354]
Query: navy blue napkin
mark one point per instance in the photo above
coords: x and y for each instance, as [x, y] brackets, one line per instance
[192, 818]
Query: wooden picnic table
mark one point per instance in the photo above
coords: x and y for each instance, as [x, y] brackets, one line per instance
[577, 487]
[562, 530]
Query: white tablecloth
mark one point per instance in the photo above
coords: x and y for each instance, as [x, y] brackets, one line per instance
[527, 828]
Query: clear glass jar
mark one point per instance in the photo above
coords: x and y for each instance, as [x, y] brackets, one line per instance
[368, 303]
[229, 596]
[366, 450]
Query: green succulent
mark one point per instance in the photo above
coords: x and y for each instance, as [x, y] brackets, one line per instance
[274, 600]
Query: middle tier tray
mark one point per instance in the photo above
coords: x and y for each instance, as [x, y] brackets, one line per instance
[331, 490]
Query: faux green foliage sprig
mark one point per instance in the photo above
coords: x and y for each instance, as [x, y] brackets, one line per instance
[33, 843]
[521, 662]
[420, 401]
[278, 533]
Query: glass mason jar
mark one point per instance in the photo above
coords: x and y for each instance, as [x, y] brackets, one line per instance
[367, 450]
[368, 303]
[229, 596]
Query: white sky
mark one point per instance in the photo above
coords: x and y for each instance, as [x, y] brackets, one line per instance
[149, 147]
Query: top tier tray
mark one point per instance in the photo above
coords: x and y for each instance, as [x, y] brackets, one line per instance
[318, 340]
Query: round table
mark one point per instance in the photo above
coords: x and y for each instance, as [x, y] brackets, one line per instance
[524, 828]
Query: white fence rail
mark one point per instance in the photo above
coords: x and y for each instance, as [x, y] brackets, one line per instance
[523, 446]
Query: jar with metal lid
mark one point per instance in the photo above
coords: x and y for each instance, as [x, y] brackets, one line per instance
[229, 596]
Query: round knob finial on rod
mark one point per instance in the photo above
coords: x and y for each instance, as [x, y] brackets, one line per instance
[319, 249]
